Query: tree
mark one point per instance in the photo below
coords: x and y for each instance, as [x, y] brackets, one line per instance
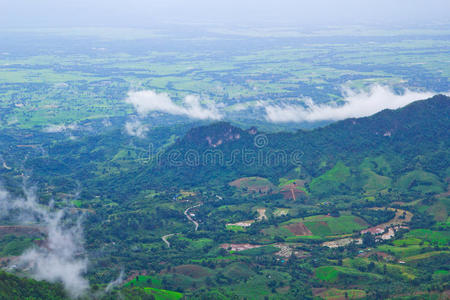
[368, 240]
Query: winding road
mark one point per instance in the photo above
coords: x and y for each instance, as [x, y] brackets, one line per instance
[164, 238]
[189, 217]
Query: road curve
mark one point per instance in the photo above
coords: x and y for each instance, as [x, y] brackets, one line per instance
[189, 217]
[164, 238]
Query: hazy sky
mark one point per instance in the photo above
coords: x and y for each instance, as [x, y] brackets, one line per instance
[148, 13]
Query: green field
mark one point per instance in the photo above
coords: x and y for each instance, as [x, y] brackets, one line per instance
[425, 255]
[160, 294]
[400, 271]
[420, 181]
[256, 286]
[330, 180]
[328, 226]
[441, 238]
[235, 228]
[373, 181]
[402, 252]
[321, 226]
[145, 281]
[259, 251]
[334, 273]
[334, 293]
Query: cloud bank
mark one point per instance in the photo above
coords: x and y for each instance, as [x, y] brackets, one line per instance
[148, 101]
[63, 258]
[136, 128]
[357, 104]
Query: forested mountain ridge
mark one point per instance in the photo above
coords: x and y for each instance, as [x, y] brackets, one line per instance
[420, 128]
[212, 211]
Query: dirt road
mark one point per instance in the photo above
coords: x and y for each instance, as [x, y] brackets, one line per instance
[164, 238]
[189, 217]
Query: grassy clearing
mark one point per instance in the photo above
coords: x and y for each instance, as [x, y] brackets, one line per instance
[327, 273]
[305, 238]
[145, 281]
[238, 271]
[440, 209]
[334, 273]
[342, 294]
[373, 181]
[330, 180]
[409, 242]
[235, 228]
[401, 252]
[256, 286]
[259, 251]
[420, 181]
[425, 255]
[321, 226]
[326, 225]
[197, 244]
[77, 203]
[441, 238]
[217, 258]
[395, 270]
[279, 231]
[160, 294]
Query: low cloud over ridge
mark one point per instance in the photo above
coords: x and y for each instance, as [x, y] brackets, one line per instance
[357, 104]
[148, 101]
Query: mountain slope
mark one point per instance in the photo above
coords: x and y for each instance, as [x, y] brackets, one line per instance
[419, 129]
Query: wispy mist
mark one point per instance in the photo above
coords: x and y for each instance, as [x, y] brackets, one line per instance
[117, 282]
[62, 257]
[140, 13]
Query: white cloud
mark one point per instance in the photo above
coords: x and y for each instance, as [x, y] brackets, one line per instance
[357, 104]
[106, 122]
[60, 260]
[63, 258]
[238, 107]
[54, 128]
[136, 128]
[147, 101]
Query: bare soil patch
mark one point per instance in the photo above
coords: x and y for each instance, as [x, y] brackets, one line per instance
[239, 247]
[257, 185]
[360, 221]
[261, 214]
[298, 229]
